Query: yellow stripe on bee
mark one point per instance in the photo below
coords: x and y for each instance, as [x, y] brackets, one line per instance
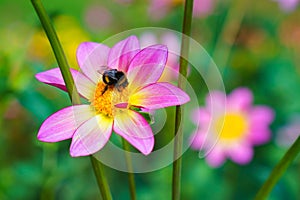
[106, 79]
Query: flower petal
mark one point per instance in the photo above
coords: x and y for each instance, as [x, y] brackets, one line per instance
[201, 116]
[54, 77]
[62, 124]
[91, 57]
[135, 129]
[197, 140]
[216, 103]
[215, 157]
[147, 66]
[241, 154]
[260, 119]
[91, 136]
[122, 53]
[240, 99]
[159, 95]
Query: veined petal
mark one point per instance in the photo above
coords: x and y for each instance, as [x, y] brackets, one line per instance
[147, 66]
[135, 129]
[62, 124]
[54, 77]
[122, 53]
[159, 95]
[91, 136]
[91, 57]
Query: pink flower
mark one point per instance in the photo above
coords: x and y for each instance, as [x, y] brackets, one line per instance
[114, 100]
[231, 133]
[159, 8]
[288, 5]
[173, 43]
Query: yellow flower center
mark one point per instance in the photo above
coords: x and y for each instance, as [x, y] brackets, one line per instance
[106, 97]
[231, 126]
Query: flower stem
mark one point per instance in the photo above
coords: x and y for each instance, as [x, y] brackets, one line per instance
[101, 179]
[231, 27]
[278, 171]
[186, 30]
[71, 88]
[131, 182]
[57, 49]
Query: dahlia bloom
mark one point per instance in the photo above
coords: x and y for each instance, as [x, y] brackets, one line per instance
[112, 107]
[232, 129]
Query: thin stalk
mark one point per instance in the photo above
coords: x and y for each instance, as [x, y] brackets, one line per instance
[101, 178]
[231, 27]
[71, 88]
[131, 181]
[186, 30]
[278, 170]
[58, 51]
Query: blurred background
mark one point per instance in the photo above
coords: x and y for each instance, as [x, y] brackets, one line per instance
[255, 44]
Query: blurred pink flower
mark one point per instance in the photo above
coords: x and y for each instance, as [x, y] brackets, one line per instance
[159, 8]
[288, 5]
[117, 82]
[97, 17]
[203, 8]
[287, 135]
[231, 133]
[173, 44]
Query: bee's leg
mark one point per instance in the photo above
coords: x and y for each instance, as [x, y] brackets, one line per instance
[106, 87]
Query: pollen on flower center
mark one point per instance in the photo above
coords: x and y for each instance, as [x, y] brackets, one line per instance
[231, 126]
[105, 98]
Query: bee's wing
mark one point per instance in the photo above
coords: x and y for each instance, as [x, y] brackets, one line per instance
[102, 69]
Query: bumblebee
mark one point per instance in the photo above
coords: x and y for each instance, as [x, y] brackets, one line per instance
[113, 77]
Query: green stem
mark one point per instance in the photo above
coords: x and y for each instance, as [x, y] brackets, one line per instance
[231, 27]
[58, 51]
[278, 171]
[101, 179]
[186, 30]
[71, 88]
[131, 182]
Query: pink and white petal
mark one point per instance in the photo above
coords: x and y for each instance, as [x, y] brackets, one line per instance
[216, 157]
[122, 53]
[159, 95]
[62, 124]
[91, 57]
[54, 77]
[86, 87]
[240, 99]
[216, 103]
[147, 66]
[241, 154]
[91, 136]
[135, 129]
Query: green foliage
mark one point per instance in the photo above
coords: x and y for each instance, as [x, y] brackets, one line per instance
[264, 57]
